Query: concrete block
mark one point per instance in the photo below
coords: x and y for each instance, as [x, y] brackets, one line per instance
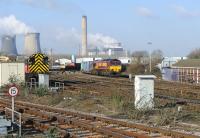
[43, 79]
[144, 91]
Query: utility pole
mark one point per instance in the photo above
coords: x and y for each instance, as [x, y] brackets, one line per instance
[149, 43]
[51, 53]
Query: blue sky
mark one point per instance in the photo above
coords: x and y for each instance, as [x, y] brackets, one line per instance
[171, 25]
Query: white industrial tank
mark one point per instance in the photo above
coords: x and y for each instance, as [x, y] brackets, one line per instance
[73, 59]
[8, 45]
[31, 43]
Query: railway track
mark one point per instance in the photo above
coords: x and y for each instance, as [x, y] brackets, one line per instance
[176, 90]
[76, 124]
[167, 91]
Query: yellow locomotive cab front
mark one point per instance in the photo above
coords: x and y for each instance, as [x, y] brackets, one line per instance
[116, 69]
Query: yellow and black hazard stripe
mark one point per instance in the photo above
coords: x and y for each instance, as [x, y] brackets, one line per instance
[38, 63]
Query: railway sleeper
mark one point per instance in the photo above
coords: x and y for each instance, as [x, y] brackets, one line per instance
[138, 126]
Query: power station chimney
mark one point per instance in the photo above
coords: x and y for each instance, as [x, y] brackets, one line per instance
[32, 43]
[8, 44]
[84, 36]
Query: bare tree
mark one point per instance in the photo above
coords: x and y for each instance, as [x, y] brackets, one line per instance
[139, 55]
[157, 56]
[194, 54]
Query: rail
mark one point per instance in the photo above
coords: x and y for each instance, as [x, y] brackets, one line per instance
[92, 123]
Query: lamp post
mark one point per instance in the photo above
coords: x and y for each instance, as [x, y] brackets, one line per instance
[149, 43]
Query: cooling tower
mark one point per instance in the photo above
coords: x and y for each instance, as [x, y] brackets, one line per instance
[84, 36]
[31, 43]
[8, 45]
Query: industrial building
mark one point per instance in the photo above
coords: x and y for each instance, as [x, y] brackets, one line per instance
[107, 52]
[166, 65]
[8, 45]
[183, 71]
[31, 43]
[169, 61]
[84, 36]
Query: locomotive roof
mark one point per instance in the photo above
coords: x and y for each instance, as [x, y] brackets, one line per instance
[106, 60]
[110, 60]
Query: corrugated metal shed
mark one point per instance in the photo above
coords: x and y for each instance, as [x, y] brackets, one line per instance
[11, 69]
[87, 66]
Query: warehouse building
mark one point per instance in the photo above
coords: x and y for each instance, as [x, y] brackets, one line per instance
[184, 71]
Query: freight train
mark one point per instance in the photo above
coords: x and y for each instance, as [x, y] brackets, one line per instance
[102, 67]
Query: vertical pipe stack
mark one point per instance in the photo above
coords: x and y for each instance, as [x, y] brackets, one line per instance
[84, 36]
[32, 43]
[8, 43]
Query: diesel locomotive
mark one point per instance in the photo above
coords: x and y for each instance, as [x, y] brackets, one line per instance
[102, 67]
[36, 64]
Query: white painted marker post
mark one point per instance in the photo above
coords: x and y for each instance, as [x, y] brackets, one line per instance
[13, 91]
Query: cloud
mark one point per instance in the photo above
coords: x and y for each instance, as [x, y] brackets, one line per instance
[10, 25]
[183, 12]
[49, 4]
[102, 41]
[145, 12]
[62, 33]
[54, 5]
[70, 39]
[94, 40]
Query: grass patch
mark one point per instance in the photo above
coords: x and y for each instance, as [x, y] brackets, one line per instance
[41, 90]
[117, 103]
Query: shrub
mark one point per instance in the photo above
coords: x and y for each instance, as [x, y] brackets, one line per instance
[41, 90]
[117, 102]
[24, 92]
[52, 133]
[136, 69]
[134, 113]
[13, 78]
[166, 117]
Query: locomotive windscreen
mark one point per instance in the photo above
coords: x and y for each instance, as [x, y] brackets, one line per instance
[116, 62]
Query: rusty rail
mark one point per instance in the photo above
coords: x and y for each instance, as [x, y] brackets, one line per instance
[45, 117]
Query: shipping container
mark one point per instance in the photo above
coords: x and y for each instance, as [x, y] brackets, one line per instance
[87, 66]
[170, 74]
[11, 69]
[80, 60]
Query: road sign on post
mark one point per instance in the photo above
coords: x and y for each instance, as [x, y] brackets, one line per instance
[13, 91]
